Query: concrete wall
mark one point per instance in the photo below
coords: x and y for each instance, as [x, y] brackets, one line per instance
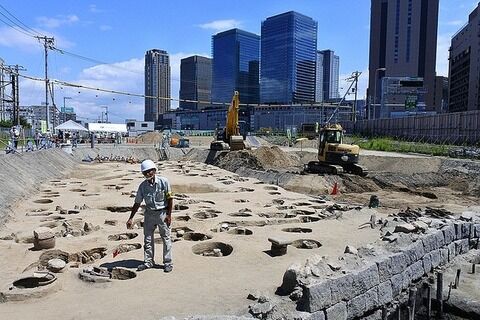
[22, 173]
[380, 279]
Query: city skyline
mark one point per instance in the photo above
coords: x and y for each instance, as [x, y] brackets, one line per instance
[96, 32]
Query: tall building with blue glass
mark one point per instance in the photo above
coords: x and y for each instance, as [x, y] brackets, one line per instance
[289, 52]
[236, 55]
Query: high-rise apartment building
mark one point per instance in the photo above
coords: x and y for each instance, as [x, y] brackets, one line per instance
[403, 43]
[326, 85]
[157, 84]
[236, 56]
[289, 53]
[195, 82]
[463, 72]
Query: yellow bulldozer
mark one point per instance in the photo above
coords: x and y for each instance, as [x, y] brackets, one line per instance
[229, 137]
[333, 155]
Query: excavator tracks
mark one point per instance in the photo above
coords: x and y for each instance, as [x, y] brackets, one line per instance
[317, 167]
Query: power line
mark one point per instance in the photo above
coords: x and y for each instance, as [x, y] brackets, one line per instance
[16, 28]
[76, 55]
[20, 23]
[138, 95]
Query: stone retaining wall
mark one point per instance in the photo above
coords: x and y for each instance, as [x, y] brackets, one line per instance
[382, 275]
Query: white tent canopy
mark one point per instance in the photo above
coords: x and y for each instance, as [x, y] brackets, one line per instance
[107, 127]
[71, 125]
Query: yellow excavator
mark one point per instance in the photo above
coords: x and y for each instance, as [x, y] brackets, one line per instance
[333, 155]
[229, 138]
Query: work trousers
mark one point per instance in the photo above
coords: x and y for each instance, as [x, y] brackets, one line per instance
[152, 219]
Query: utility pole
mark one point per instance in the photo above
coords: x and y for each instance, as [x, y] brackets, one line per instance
[14, 97]
[356, 74]
[47, 44]
[106, 113]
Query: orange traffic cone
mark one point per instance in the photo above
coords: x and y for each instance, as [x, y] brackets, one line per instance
[335, 190]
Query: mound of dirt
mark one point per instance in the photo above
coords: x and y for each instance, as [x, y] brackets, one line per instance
[262, 158]
[150, 138]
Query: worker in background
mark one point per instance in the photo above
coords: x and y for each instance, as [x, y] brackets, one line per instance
[14, 136]
[157, 194]
[38, 137]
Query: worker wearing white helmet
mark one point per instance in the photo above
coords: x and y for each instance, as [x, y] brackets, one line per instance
[157, 194]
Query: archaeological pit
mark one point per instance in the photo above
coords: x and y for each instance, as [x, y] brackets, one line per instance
[343, 259]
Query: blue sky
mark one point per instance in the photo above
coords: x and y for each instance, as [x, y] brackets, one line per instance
[118, 33]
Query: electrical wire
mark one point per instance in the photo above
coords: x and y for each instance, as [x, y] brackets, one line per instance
[16, 28]
[79, 86]
[20, 23]
[76, 55]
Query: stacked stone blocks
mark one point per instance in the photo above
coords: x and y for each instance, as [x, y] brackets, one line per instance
[362, 293]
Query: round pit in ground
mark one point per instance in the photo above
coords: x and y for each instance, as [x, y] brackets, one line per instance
[306, 244]
[196, 236]
[180, 207]
[43, 201]
[297, 230]
[122, 274]
[205, 215]
[122, 236]
[118, 209]
[212, 249]
[307, 219]
[34, 282]
[241, 231]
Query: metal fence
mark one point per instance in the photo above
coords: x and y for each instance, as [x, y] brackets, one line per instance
[460, 128]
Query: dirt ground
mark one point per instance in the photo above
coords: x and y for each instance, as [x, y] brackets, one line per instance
[207, 197]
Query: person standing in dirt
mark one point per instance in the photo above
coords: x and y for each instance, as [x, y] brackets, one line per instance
[14, 136]
[38, 137]
[157, 194]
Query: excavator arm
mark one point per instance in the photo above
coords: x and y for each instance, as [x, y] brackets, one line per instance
[231, 132]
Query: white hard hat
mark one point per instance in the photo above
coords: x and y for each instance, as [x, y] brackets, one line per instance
[147, 165]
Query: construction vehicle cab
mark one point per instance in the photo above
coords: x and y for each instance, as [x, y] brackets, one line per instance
[334, 155]
[229, 138]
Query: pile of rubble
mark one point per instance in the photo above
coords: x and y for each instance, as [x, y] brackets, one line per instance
[378, 276]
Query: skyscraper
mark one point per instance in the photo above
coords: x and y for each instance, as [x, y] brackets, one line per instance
[403, 43]
[157, 84]
[326, 86]
[195, 82]
[464, 64]
[289, 46]
[235, 66]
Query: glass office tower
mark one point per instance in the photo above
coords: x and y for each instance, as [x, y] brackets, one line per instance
[235, 66]
[287, 71]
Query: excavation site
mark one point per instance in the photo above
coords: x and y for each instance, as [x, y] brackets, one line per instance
[254, 235]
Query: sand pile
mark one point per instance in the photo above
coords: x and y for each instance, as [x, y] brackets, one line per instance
[262, 158]
[150, 138]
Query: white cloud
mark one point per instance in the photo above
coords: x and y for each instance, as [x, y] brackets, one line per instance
[221, 25]
[125, 76]
[15, 39]
[58, 21]
[105, 27]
